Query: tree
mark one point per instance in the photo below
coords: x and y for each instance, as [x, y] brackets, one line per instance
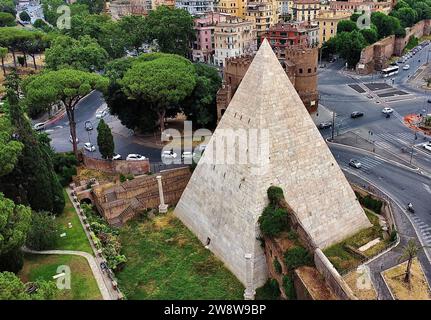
[14, 289]
[370, 35]
[24, 16]
[410, 251]
[386, 25]
[83, 54]
[65, 85]
[43, 233]
[160, 83]
[94, 6]
[3, 55]
[8, 6]
[200, 106]
[50, 10]
[133, 30]
[10, 149]
[105, 140]
[346, 26]
[14, 225]
[32, 181]
[350, 45]
[6, 19]
[171, 28]
[407, 16]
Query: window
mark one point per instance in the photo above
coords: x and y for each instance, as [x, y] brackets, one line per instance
[309, 70]
[300, 70]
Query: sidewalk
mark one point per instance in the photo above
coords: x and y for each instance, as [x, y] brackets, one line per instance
[112, 293]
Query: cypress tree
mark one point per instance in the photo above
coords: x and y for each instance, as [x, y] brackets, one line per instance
[33, 181]
[105, 140]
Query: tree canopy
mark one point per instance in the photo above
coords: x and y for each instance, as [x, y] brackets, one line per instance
[6, 19]
[12, 288]
[159, 82]
[82, 54]
[10, 149]
[66, 85]
[171, 28]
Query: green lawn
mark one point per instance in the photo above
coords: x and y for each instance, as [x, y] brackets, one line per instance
[75, 238]
[343, 260]
[83, 284]
[166, 261]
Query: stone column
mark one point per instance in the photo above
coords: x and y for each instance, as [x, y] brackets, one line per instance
[249, 291]
[163, 208]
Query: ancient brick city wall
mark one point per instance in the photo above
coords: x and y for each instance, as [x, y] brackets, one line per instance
[376, 56]
[117, 166]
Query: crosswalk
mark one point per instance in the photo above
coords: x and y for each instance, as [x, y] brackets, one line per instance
[369, 163]
[424, 229]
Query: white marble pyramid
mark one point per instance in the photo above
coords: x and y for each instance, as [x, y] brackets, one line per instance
[223, 201]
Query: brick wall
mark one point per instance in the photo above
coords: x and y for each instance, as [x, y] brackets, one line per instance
[121, 202]
[117, 166]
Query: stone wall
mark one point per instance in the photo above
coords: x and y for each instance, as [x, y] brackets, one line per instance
[332, 277]
[376, 56]
[117, 166]
[121, 202]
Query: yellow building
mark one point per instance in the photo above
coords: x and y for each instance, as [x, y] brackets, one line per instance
[264, 14]
[305, 10]
[158, 3]
[328, 22]
[233, 7]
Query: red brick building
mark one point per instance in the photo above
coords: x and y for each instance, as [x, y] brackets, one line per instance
[285, 35]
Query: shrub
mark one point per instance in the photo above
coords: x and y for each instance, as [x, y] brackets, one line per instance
[393, 235]
[296, 257]
[292, 235]
[277, 266]
[273, 221]
[269, 291]
[370, 203]
[275, 194]
[65, 167]
[289, 288]
[43, 232]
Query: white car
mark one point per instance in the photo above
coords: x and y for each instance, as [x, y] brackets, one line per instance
[406, 67]
[100, 114]
[89, 147]
[71, 140]
[116, 157]
[427, 146]
[169, 155]
[39, 126]
[187, 155]
[387, 110]
[135, 157]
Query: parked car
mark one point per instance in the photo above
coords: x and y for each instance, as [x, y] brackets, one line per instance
[39, 126]
[88, 126]
[100, 114]
[387, 110]
[406, 67]
[356, 114]
[71, 140]
[169, 154]
[429, 100]
[89, 147]
[427, 146]
[116, 157]
[355, 163]
[135, 157]
[325, 125]
[187, 155]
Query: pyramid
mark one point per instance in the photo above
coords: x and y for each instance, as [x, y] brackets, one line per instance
[224, 199]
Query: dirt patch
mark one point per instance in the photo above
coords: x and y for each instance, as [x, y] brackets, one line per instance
[363, 292]
[314, 283]
[416, 289]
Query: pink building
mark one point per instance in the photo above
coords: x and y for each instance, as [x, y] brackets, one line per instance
[203, 47]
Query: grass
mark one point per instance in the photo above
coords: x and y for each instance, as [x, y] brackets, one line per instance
[416, 289]
[362, 291]
[75, 238]
[166, 261]
[44, 267]
[344, 260]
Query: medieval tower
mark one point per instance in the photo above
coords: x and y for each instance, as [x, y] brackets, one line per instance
[266, 137]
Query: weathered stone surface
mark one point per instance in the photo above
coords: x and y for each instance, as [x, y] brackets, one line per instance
[224, 201]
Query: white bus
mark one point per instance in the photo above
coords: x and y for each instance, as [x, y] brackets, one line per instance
[390, 71]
